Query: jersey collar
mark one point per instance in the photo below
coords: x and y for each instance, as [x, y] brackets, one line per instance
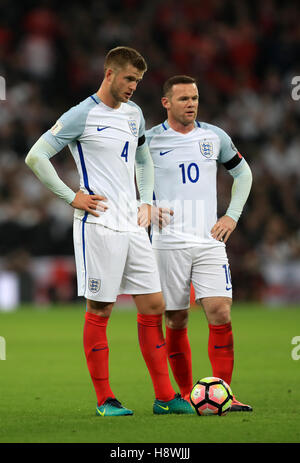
[166, 125]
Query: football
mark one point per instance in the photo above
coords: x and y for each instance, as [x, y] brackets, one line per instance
[211, 396]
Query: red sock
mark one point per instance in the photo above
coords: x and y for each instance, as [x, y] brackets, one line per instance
[180, 358]
[96, 352]
[220, 351]
[153, 348]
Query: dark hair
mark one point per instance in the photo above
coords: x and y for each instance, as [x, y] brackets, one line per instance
[121, 56]
[167, 87]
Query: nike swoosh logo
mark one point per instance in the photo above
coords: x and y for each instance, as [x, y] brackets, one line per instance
[164, 408]
[161, 345]
[162, 153]
[222, 347]
[101, 413]
[102, 128]
[228, 289]
[101, 348]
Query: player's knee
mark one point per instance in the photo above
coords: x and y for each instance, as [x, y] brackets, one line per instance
[176, 319]
[158, 307]
[103, 309]
[150, 304]
[220, 314]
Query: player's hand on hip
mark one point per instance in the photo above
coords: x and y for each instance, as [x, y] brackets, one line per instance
[144, 215]
[223, 228]
[89, 203]
[161, 216]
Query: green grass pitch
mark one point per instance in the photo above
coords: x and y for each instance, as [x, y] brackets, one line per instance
[46, 395]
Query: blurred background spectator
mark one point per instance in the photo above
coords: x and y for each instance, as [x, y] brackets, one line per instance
[243, 54]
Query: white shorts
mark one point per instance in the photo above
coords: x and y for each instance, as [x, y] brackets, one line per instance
[110, 263]
[206, 267]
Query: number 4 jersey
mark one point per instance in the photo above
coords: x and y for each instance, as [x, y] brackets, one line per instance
[103, 142]
[186, 181]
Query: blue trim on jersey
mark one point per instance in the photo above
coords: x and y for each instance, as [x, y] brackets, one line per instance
[86, 184]
[94, 99]
[198, 124]
[83, 167]
[163, 124]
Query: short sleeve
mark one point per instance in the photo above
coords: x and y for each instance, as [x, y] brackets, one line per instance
[68, 127]
[141, 132]
[228, 155]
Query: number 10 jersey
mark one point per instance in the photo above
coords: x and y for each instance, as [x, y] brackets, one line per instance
[186, 181]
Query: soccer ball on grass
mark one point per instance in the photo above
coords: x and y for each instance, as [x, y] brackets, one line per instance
[211, 396]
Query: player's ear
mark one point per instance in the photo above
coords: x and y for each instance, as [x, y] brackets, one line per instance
[109, 74]
[165, 102]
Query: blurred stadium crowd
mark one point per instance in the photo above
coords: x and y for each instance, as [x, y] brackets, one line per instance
[243, 55]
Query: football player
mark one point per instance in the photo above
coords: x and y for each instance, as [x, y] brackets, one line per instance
[188, 239]
[106, 136]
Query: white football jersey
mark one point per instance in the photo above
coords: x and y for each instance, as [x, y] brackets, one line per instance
[103, 142]
[186, 181]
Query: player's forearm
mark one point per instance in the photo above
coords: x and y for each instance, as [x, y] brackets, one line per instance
[144, 173]
[240, 189]
[38, 159]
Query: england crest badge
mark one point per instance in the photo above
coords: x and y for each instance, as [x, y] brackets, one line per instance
[133, 127]
[94, 285]
[206, 148]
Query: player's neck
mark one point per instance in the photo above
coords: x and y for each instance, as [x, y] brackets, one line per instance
[107, 98]
[179, 127]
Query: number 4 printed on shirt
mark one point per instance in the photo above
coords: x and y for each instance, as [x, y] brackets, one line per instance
[124, 153]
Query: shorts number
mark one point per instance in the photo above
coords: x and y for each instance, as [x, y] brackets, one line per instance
[227, 276]
[191, 172]
[124, 153]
